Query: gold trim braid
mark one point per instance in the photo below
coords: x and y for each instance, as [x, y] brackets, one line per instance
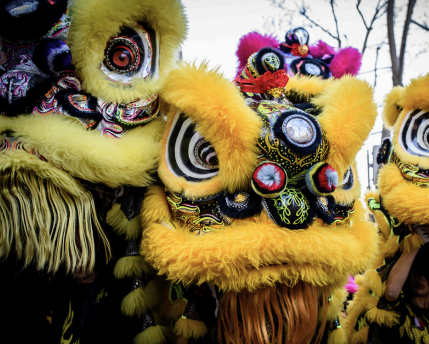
[46, 224]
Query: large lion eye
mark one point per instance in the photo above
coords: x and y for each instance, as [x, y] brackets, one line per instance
[414, 133]
[122, 54]
[188, 153]
[133, 54]
[299, 131]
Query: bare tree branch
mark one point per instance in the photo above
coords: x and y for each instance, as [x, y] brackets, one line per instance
[424, 26]
[392, 43]
[410, 9]
[376, 61]
[372, 70]
[336, 23]
[303, 12]
[380, 9]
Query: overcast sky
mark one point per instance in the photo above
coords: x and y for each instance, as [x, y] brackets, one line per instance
[215, 28]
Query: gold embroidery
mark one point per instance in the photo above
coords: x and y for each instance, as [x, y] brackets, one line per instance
[66, 326]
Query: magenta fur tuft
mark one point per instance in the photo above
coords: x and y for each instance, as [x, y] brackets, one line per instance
[351, 287]
[321, 49]
[346, 61]
[251, 43]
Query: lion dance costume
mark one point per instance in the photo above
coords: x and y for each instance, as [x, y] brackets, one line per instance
[400, 202]
[80, 128]
[258, 225]
[301, 59]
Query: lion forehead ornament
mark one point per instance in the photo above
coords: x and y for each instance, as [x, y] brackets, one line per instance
[260, 199]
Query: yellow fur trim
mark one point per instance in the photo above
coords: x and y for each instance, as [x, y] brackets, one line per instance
[21, 160]
[96, 21]
[379, 217]
[155, 206]
[249, 247]
[338, 336]
[411, 243]
[360, 337]
[359, 280]
[136, 302]
[404, 200]
[131, 266]
[302, 89]
[223, 119]
[190, 328]
[416, 93]
[348, 115]
[393, 106]
[337, 303]
[86, 154]
[130, 228]
[152, 335]
[381, 316]
[357, 306]
[348, 196]
[374, 283]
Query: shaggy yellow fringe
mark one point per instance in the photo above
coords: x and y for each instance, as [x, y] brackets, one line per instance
[393, 106]
[240, 256]
[47, 225]
[416, 94]
[396, 191]
[223, 119]
[373, 281]
[360, 337]
[304, 88]
[21, 160]
[84, 154]
[152, 335]
[96, 21]
[131, 266]
[136, 302]
[380, 219]
[190, 328]
[130, 228]
[338, 336]
[336, 305]
[348, 115]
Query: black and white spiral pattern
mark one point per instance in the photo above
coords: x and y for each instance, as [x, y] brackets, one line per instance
[414, 133]
[187, 153]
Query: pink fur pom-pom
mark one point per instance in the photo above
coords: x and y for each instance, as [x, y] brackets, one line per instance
[351, 287]
[321, 49]
[346, 61]
[251, 43]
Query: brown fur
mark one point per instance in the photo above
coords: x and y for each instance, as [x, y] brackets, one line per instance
[272, 314]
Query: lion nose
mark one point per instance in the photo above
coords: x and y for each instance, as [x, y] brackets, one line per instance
[321, 179]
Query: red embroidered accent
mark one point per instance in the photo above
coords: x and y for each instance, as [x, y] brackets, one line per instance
[267, 81]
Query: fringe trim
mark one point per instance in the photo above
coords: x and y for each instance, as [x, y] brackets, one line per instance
[337, 336]
[136, 302]
[152, 335]
[47, 225]
[360, 337]
[117, 219]
[190, 328]
[131, 266]
[411, 243]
